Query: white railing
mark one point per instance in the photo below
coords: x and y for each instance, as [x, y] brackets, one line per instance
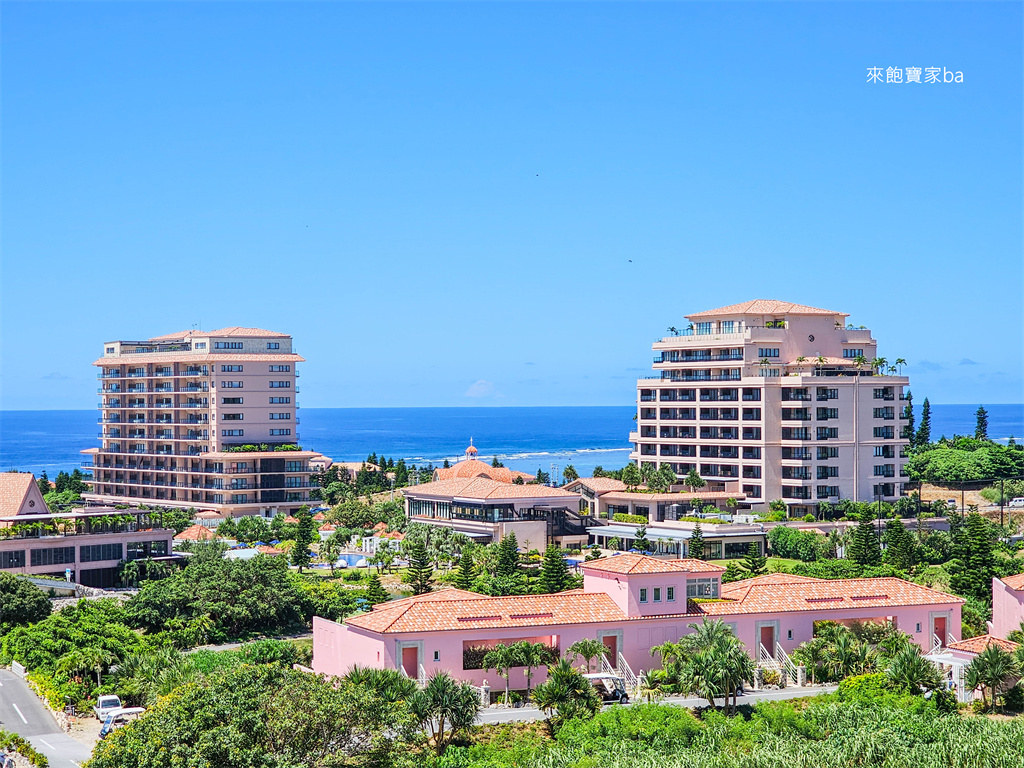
[786, 663]
[936, 644]
[606, 667]
[626, 673]
[765, 659]
[422, 679]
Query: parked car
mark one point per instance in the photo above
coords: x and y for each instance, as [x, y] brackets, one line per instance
[611, 689]
[1016, 503]
[105, 705]
[119, 718]
[951, 503]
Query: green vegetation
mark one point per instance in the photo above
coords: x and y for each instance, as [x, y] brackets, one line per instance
[14, 742]
[21, 602]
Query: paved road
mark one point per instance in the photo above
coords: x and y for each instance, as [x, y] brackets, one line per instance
[21, 712]
[525, 714]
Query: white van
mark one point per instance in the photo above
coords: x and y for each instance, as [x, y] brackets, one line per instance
[1017, 503]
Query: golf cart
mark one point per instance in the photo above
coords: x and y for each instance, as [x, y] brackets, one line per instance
[611, 689]
[119, 718]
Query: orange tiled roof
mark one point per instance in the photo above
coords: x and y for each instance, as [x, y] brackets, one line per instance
[265, 549]
[442, 611]
[327, 527]
[979, 644]
[475, 468]
[14, 486]
[765, 307]
[196, 533]
[600, 484]
[319, 516]
[1014, 582]
[483, 489]
[291, 519]
[380, 527]
[785, 593]
[198, 357]
[632, 562]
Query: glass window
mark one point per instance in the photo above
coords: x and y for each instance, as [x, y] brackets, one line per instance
[657, 594]
[643, 595]
[670, 594]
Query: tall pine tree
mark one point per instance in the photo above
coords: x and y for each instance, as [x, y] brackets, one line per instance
[303, 538]
[908, 412]
[696, 547]
[981, 423]
[864, 548]
[508, 557]
[974, 564]
[420, 573]
[465, 573]
[554, 571]
[924, 432]
[375, 592]
[754, 562]
[899, 546]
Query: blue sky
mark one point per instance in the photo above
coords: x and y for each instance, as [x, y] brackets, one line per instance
[440, 202]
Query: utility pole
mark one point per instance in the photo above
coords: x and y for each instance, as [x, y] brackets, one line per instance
[1002, 501]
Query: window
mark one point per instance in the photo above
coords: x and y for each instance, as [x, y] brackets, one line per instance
[751, 414]
[657, 594]
[752, 395]
[885, 470]
[884, 413]
[670, 594]
[751, 452]
[110, 350]
[643, 595]
[232, 433]
[277, 432]
[828, 433]
[885, 451]
[280, 385]
[199, 345]
[702, 587]
[824, 414]
[231, 401]
[918, 627]
[139, 549]
[280, 368]
[293, 482]
[824, 393]
[280, 400]
[437, 655]
[293, 466]
[827, 453]
[751, 433]
[273, 345]
[789, 634]
[277, 416]
[231, 384]
[796, 433]
[231, 369]
[227, 345]
[704, 328]
[828, 491]
[824, 473]
[770, 372]
[239, 498]
[886, 433]
[752, 491]
[15, 559]
[231, 416]
[849, 353]
[53, 556]
[768, 352]
[95, 553]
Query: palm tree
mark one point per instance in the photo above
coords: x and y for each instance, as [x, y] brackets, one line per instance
[531, 656]
[588, 648]
[843, 657]
[860, 361]
[446, 707]
[813, 654]
[800, 363]
[673, 330]
[650, 686]
[502, 658]
[900, 362]
[910, 671]
[993, 667]
[820, 361]
[566, 694]
[91, 659]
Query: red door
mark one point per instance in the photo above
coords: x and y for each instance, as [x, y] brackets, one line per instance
[940, 630]
[411, 661]
[768, 640]
[611, 643]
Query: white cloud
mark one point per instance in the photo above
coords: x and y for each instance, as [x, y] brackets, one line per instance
[481, 388]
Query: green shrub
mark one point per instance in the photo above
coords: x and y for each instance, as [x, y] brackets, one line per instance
[623, 518]
[12, 741]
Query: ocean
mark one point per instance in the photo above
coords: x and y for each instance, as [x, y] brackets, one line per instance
[526, 439]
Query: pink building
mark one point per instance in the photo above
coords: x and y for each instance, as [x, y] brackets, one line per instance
[630, 603]
[89, 542]
[1007, 605]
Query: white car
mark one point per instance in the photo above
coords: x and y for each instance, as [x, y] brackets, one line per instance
[1017, 503]
[105, 705]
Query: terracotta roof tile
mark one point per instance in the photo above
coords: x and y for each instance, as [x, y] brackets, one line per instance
[195, 533]
[1014, 582]
[784, 593]
[470, 468]
[979, 644]
[600, 484]
[14, 487]
[233, 330]
[442, 612]
[765, 307]
[636, 563]
[265, 549]
[484, 489]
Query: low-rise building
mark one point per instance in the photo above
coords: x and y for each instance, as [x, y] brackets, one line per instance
[605, 497]
[1007, 605]
[630, 603]
[85, 545]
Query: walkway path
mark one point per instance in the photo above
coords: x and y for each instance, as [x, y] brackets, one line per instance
[22, 713]
[527, 714]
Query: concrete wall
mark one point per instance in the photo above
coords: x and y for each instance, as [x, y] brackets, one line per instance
[1007, 608]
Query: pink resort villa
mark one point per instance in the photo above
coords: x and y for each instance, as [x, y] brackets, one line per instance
[630, 602]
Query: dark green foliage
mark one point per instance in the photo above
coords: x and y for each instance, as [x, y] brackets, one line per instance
[303, 538]
[570, 474]
[15, 743]
[21, 602]
[43, 483]
[554, 571]
[465, 571]
[375, 592]
[631, 476]
[923, 436]
[899, 546]
[981, 423]
[754, 562]
[238, 597]
[420, 573]
[508, 557]
[864, 548]
[795, 544]
[974, 562]
[696, 544]
[641, 542]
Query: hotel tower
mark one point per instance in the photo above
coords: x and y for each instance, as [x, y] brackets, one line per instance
[775, 400]
[203, 419]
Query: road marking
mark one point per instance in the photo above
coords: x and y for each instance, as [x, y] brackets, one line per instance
[43, 741]
[19, 713]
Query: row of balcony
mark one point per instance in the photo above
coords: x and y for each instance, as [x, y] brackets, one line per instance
[159, 374]
[219, 486]
[159, 420]
[111, 405]
[173, 468]
[142, 389]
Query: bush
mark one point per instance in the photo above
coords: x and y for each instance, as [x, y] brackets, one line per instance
[12, 741]
[623, 518]
[658, 727]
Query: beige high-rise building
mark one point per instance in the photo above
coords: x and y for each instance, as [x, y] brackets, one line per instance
[775, 401]
[203, 419]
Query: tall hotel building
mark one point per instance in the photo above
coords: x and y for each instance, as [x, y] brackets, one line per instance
[775, 401]
[173, 408]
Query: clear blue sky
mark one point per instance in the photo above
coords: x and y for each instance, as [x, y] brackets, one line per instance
[440, 202]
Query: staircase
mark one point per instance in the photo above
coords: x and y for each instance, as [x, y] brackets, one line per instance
[622, 670]
[780, 662]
